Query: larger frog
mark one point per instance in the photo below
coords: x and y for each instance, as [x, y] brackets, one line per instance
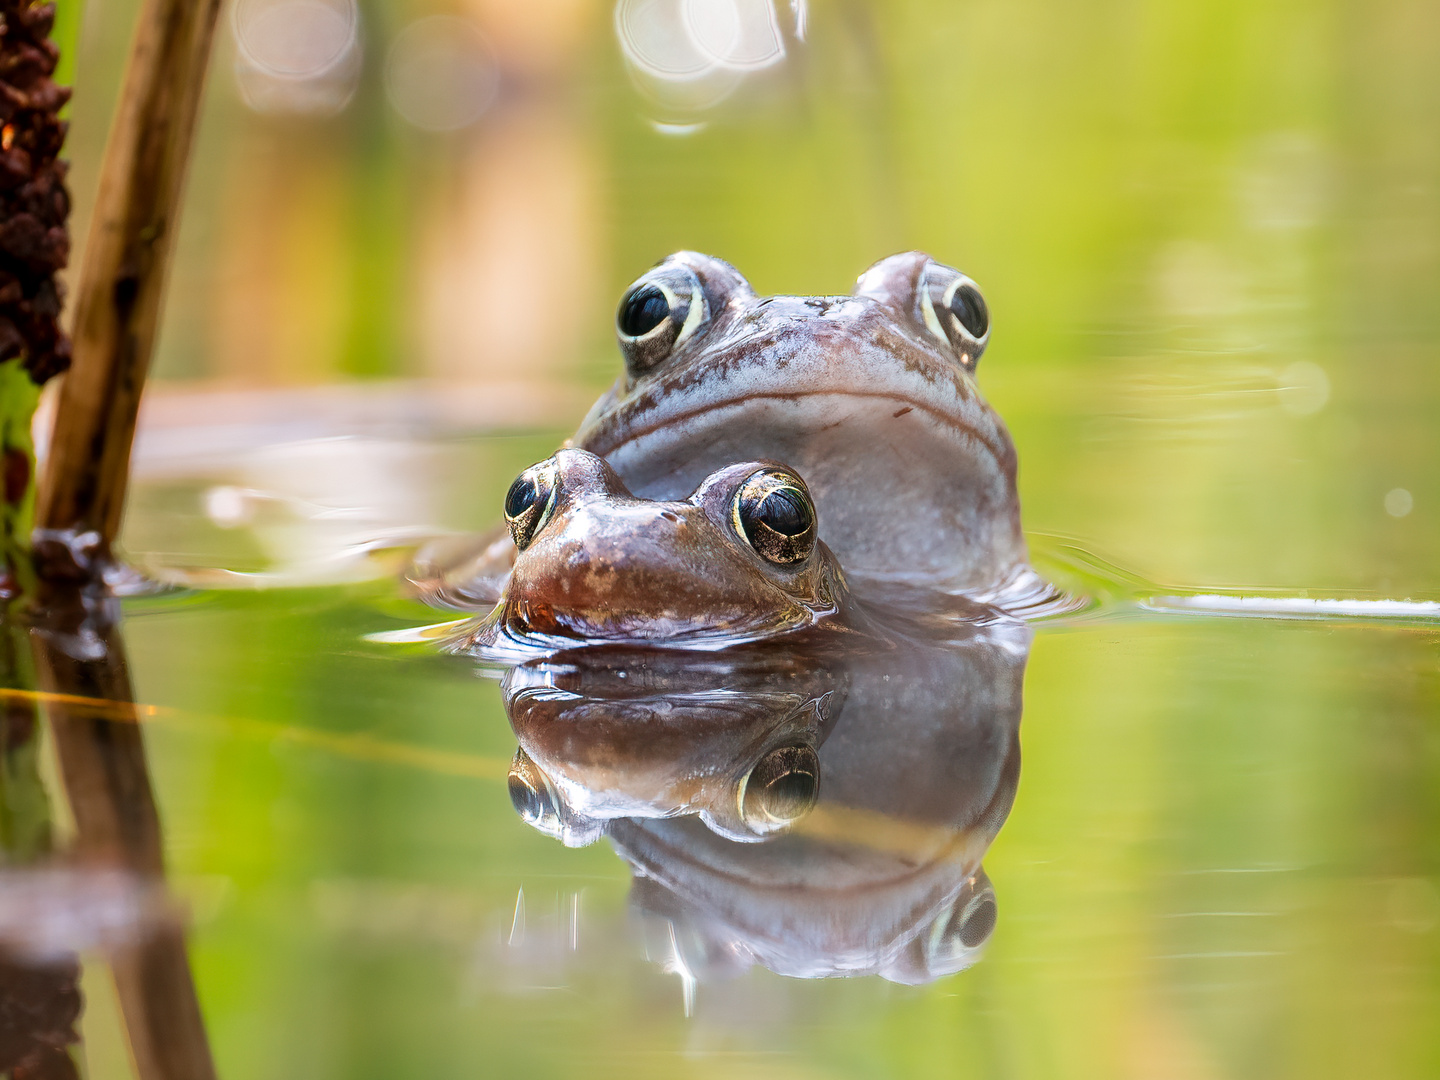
[871, 397]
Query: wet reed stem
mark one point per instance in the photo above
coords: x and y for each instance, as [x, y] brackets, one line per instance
[122, 279]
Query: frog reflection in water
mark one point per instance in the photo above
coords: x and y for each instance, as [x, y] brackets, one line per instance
[870, 397]
[795, 485]
[819, 813]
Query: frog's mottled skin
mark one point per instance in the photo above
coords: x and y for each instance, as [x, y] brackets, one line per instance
[912, 472]
[609, 567]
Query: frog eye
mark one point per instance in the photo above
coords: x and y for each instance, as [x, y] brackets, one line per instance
[973, 924]
[780, 790]
[531, 796]
[657, 314]
[530, 500]
[968, 925]
[541, 807]
[774, 513]
[955, 312]
[642, 310]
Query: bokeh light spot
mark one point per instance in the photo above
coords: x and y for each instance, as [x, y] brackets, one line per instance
[1304, 388]
[297, 56]
[441, 74]
[1399, 502]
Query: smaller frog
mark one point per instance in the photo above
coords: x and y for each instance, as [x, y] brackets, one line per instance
[738, 560]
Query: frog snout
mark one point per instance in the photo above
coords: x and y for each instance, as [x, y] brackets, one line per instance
[610, 567]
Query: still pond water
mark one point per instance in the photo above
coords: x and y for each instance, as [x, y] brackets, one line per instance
[1219, 860]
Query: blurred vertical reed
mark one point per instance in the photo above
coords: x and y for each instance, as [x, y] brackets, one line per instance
[121, 286]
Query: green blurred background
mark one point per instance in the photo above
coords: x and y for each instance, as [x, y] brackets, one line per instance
[1209, 234]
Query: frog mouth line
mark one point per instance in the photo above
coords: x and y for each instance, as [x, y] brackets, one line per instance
[904, 403]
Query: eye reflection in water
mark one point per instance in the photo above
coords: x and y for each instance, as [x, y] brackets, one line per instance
[819, 812]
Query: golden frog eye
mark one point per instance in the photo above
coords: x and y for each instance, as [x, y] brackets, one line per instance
[774, 513]
[530, 501]
[955, 312]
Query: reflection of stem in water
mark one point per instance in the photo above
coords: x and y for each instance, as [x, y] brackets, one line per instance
[24, 806]
[103, 768]
[39, 1002]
